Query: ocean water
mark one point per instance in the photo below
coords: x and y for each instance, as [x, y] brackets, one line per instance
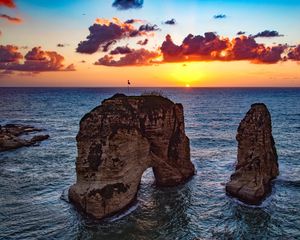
[34, 181]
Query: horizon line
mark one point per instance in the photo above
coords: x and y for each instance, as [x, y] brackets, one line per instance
[138, 87]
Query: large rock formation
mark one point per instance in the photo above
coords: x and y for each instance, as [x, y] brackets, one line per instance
[11, 136]
[257, 158]
[118, 141]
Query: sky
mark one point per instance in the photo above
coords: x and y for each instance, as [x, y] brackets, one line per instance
[154, 43]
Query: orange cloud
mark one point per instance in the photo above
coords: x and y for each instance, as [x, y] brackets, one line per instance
[7, 3]
[35, 60]
[294, 53]
[9, 54]
[211, 47]
[140, 57]
[11, 19]
[104, 33]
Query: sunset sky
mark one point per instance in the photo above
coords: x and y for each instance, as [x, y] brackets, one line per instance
[176, 43]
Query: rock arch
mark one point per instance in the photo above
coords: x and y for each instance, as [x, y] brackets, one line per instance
[118, 141]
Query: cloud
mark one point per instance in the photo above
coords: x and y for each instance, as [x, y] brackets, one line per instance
[240, 33]
[106, 47]
[294, 53]
[211, 47]
[268, 34]
[70, 67]
[121, 50]
[148, 28]
[220, 16]
[9, 54]
[36, 60]
[11, 19]
[104, 33]
[7, 3]
[143, 42]
[127, 4]
[193, 47]
[170, 22]
[131, 21]
[140, 57]
[269, 54]
[171, 52]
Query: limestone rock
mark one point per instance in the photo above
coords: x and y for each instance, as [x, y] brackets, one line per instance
[257, 158]
[117, 141]
[10, 136]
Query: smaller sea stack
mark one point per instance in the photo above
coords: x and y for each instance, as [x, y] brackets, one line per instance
[257, 158]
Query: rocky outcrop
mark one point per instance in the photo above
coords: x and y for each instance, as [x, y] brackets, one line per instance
[118, 141]
[10, 136]
[257, 158]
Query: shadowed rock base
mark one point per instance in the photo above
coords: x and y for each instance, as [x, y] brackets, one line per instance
[257, 158]
[118, 141]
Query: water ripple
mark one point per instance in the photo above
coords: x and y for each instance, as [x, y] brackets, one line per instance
[34, 181]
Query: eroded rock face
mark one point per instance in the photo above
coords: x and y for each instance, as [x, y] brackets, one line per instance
[118, 141]
[257, 158]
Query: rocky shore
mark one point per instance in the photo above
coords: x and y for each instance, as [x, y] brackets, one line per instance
[11, 136]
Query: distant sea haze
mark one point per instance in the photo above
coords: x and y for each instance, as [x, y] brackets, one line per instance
[35, 180]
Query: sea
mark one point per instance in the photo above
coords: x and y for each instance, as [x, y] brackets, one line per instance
[34, 181]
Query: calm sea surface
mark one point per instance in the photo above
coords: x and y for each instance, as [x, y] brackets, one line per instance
[34, 181]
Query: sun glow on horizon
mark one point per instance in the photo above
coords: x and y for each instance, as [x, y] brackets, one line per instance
[187, 74]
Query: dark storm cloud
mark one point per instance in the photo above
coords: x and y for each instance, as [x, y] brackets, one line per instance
[170, 22]
[220, 16]
[267, 34]
[139, 57]
[127, 4]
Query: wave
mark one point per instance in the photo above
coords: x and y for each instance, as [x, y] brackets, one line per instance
[289, 183]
